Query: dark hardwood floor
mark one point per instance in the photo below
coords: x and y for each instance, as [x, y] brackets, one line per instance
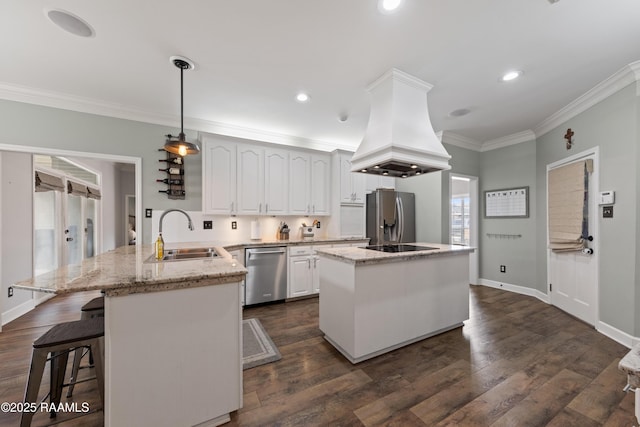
[516, 362]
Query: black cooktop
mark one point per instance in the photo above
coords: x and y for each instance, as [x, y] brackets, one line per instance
[399, 248]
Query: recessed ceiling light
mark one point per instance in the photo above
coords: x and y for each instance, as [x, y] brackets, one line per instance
[70, 23]
[387, 6]
[511, 75]
[302, 97]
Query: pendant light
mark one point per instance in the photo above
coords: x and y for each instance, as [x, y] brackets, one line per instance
[179, 145]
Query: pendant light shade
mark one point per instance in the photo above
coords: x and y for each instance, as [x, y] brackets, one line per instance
[179, 145]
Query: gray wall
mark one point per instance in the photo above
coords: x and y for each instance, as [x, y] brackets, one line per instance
[611, 125]
[37, 126]
[508, 167]
[17, 225]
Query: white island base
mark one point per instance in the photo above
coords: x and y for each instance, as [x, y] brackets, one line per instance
[372, 306]
[174, 358]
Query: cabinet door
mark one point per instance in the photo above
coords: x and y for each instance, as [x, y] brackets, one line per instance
[219, 183]
[320, 185]
[276, 197]
[352, 184]
[346, 191]
[315, 275]
[250, 180]
[300, 276]
[299, 183]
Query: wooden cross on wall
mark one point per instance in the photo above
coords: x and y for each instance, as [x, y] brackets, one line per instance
[568, 137]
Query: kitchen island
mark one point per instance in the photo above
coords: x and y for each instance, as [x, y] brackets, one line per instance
[173, 343]
[374, 302]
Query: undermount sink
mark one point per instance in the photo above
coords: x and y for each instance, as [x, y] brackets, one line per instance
[184, 254]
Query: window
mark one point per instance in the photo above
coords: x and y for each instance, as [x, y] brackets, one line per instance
[460, 214]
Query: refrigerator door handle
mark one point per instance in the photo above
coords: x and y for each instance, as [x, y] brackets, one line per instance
[401, 219]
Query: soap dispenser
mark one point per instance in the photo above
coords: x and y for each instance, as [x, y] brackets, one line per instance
[159, 247]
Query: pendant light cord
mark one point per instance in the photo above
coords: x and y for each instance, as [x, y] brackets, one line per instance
[181, 101]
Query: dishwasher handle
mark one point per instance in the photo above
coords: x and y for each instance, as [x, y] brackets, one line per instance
[249, 253]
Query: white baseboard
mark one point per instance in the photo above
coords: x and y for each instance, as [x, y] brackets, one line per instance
[515, 288]
[605, 329]
[15, 312]
[616, 334]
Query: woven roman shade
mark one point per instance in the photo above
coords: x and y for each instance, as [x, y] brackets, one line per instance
[46, 182]
[94, 193]
[76, 189]
[568, 206]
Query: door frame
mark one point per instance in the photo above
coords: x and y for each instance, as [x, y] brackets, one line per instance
[594, 189]
[474, 257]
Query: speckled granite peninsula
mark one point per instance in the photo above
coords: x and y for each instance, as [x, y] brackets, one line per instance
[373, 302]
[156, 314]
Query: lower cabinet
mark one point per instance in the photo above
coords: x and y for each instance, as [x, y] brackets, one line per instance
[238, 255]
[304, 270]
[300, 273]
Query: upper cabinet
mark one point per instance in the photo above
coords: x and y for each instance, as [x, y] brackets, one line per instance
[219, 176]
[263, 175]
[373, 182]
[254, 179]
[309, 178]
[352, 184]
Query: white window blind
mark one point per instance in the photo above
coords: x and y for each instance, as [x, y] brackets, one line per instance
[568, 206]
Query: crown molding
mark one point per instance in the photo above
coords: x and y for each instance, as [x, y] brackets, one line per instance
[505, 141]
[622, 78]
[80, 104]
[451, 138]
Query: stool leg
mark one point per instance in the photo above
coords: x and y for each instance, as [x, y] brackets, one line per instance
[59, 361]
[77, 356]
[96, 349]
[38, 361]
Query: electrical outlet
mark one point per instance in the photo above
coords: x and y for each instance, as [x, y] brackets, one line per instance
[207, 225]
[10, 291]
[234, 225]
[147, 213]
[317, 224]
[503, 269]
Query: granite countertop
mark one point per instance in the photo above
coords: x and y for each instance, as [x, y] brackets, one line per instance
[231, 246]
[127, 269]
[354, 255]
[630, 364]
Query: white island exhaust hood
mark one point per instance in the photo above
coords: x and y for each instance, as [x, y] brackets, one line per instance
[399, 140]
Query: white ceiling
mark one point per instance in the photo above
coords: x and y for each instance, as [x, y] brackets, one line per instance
[252, 56]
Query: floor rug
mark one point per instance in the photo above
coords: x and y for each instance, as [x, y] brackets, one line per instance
[257, 347]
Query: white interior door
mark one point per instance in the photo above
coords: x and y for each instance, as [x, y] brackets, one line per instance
[573, 276]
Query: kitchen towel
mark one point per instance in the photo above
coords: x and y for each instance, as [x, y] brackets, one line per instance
[255, 230]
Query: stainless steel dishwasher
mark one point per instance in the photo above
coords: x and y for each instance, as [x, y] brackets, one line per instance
[267, 274]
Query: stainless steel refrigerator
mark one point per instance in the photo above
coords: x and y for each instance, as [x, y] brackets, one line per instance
[391, 217]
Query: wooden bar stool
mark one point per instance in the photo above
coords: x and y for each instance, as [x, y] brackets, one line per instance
[59, 341]
[94, 308]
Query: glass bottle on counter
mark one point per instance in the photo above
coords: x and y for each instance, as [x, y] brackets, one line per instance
[159, 247]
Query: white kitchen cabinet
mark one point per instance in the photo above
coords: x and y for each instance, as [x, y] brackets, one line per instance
[238, 255]
[309, 184]
[250, 179]
[352, 184]
[300, 274]
[315, 268]
[219, 176]
[276, 179]
[373, 182]
[262, 180]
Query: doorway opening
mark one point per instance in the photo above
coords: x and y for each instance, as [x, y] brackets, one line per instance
[463, 217]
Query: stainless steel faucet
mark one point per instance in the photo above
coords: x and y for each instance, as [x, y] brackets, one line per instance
[176, 210]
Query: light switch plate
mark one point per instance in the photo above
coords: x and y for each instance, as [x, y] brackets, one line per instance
[607, 212]
[147, 213]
